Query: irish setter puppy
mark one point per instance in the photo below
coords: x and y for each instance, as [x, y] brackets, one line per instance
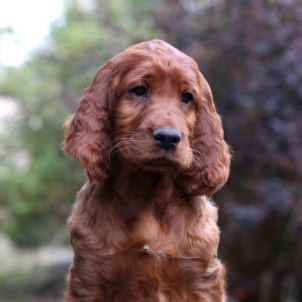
[143, 228]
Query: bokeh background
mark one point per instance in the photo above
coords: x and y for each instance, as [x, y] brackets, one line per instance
[251, 54]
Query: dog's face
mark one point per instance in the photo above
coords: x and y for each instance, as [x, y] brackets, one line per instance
[150, 106]
[157, 103]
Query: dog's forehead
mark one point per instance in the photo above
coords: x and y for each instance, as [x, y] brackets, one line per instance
[155, 56]
[164, 50]
[158, 48]
[159, 45]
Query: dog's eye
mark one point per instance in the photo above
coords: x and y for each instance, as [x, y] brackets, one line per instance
[187, 97]
[140, 91]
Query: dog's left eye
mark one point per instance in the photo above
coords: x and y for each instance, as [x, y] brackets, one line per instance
[187, 97]
[140, 91]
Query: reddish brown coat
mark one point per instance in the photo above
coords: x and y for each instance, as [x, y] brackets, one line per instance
[143, 228]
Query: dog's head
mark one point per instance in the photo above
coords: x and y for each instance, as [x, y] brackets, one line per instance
[151, 106]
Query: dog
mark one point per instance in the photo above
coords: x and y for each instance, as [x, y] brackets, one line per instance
[143, 228]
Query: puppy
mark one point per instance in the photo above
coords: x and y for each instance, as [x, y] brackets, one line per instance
[143, 227]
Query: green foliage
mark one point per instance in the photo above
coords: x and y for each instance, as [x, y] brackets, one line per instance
[249, 51]
[36, 196]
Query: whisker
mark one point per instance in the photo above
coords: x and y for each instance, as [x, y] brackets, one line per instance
[114, 148]
[195, 151]
[121, 143]
[120, 131]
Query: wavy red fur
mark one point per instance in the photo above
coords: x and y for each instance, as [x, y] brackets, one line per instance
[143, 228]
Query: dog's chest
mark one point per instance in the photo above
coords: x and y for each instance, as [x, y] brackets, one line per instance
[155, 235]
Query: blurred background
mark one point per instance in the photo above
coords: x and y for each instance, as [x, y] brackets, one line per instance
[251, 54]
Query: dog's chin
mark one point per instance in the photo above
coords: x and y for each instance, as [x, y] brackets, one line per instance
[159, 161]
[161, 164]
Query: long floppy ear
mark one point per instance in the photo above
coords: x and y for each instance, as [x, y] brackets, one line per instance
[210, 168]
[87, 131]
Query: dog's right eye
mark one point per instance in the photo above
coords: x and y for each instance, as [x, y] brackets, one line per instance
[140, 91]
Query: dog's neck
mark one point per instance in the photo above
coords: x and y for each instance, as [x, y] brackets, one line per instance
[131, 181]
[136, 188]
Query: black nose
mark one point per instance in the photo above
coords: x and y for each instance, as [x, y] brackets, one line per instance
[166, 137]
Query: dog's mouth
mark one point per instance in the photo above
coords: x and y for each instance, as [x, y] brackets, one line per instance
[144, 151]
